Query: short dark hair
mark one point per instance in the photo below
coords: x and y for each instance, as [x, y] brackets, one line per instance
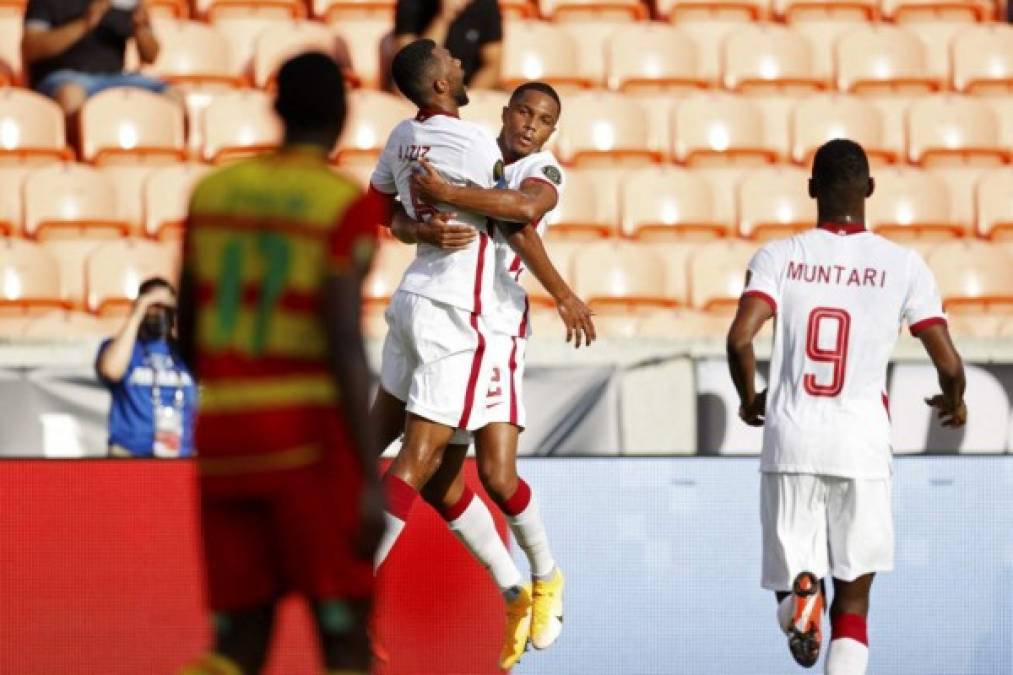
[540, 87]
[840, 168]
[151, 283]
[410, 69]
[311, 92]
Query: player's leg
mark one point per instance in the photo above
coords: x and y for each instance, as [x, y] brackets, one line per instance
[343, 635]
[387, 417]
[849, 640]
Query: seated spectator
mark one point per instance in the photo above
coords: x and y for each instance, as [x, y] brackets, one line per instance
[153, 395]
[471, 29]
[75, 48]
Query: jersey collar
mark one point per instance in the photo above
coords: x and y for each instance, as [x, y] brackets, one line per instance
[426, 113]
[842, 228]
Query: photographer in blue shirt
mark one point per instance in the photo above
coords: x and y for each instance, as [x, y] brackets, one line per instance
[153, 395]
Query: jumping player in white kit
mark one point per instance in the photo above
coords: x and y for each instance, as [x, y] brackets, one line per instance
[840, 295]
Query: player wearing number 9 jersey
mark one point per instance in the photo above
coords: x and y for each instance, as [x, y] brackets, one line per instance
[276, 247]
[840, 295]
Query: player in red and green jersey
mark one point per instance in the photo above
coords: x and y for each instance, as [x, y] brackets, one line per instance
[276, 249]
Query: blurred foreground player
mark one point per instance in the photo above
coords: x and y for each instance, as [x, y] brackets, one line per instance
[841, 294]
[290, 501]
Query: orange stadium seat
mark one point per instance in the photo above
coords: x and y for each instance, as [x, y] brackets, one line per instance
[725, 180]
[10, 49]
[167, 193]
[71, 199]
[709, 38]
[822, 37]
[882, 59]
[768, 57]
[1002, 106]
[389, 265]
[954, 130]
[798, 12]
[909, 203]
[717, 274]
[719, 129]
[239, 124]
[485, 107]
[284, 39]
[363, 36]
[777, 110]
[591, 39]
[775, 203]
[983, 59]
[921, 11]
[340, 10]
[193, 52]
[372, 115]
[675, 254]
[64, 325]
[561, 253]
[168, 9]
[578, 213]
[534, 50]
[961, 183]
[818, 119]
[618, 275]
[31, 128]
[132, 125]
[937, 37]
[277, 9]
[128, 182]
[994, 198]
[566, 10]
[973, 276]
[116, 268]
[685, 11]
[606, 182]
[600, 127]
[29, 278]
[894, 111]
[669, 203]
[684, 324]
[12, 179]
[241, 33]
[653, 57]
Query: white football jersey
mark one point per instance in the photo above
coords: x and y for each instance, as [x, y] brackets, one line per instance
[511, 313]
[465, 154]
[841, 295]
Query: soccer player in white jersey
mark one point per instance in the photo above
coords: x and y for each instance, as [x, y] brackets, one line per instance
[840, 295]
[433, 364]
[534, 183]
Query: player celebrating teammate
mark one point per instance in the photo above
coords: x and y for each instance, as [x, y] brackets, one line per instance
[840, 294]
[270, 305]
[536, 181]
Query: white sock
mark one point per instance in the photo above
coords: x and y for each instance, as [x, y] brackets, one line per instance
[847, 657]
[786, 612]
[477, 530]
[530, 533]
[394, 526]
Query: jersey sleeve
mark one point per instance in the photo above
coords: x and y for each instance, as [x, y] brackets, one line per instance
[764, 278]
[923, 306]
[354, 239]
[382, 178]
[547, 170]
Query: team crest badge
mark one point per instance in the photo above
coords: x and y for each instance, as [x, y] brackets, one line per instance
[552, 173]
[497, 170]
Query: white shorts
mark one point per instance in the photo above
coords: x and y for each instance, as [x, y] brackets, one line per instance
[504, 398]
[824, 524]
[434, 359]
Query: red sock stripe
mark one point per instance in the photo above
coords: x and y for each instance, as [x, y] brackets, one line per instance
[452, 513]
[400, 497]
[519, 501]
[850, 626]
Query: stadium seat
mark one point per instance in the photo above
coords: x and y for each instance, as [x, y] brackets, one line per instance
[64, 326]
[29, 278]
[709, 38]
[687, 11]
[973, 276]
[600, 127]
[12, 180]
[921, 11]
[682, 324]
[561, 253]
[485, 107]
[1002, 107]
[983, 60]
[193, 52]
[775, 203]
[360, 174]
[822, 37]
[882, 59]
[334, 11]
[389, 265]
[239, 124]
[768, 58]
[168, 9]
[994, 198]
[936, 37]
[719, 129]
[275, 9]
[284, 39]
[241, 33]
[717, 274]
[372, 115]
[776, 111]
[818, 119]
[607, 326]
[115, 269]
[583, 10]
[894, 112]
[605, 183]
[654, 58]
[908, 203]
[534, 50]
[591, 39]
[725, 180]
[954, 130]
[363, 36]
[798, 12]
[618, 275]
[10, 49]
[578, 214]
[31, 128]
[676, 255]
[167, 196]
[132, 125]
[669, 203]
[128, 182]
[961, 183]
[71, 200]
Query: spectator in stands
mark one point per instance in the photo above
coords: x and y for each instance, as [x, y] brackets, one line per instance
[153, 395]
[76, 48]
[471, 29]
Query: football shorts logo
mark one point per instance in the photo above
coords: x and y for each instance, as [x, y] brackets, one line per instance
[552, 173]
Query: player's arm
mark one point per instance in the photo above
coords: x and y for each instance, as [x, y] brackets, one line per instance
[950, 407]
[437, 231]
[752, 313]
[529, 204]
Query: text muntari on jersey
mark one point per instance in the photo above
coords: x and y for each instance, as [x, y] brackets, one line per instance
[838, 275]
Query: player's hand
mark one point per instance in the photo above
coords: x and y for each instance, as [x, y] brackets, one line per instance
[96, 10]
[576, 317]
[438, 232]
[754, 412]
[950, 414]
[428, 184]
[371, 520]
